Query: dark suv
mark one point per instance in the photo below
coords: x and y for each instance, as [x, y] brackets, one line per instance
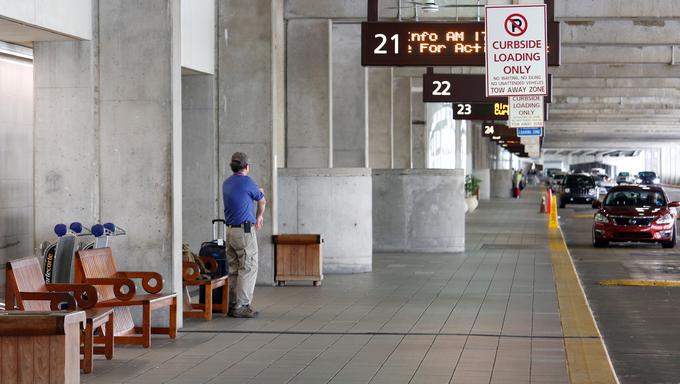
[648, 178]
[578, 189]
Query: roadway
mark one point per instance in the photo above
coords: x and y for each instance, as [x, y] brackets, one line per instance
[640, 325]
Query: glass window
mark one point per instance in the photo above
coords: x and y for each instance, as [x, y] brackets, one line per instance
[636, 199]
[580, 180]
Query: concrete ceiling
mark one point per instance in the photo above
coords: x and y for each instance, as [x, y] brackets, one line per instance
[619, 82]
[15, 32]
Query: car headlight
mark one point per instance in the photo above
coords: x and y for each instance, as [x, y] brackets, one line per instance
[665, 219]
[638, 181]
[567, 190]
[600, 218]
[592, 191]
[656, 181]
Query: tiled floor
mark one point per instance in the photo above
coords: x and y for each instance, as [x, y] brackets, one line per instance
[487, 316]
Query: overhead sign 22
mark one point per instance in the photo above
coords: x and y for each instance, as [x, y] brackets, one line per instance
[516, 50]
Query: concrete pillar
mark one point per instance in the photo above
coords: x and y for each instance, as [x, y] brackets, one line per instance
[335, 203]
[501, 183]
[484, 176]
[66, 177]
[200, 184]
[140, 119]
[16, 160]
[401, 100]
[309, 86]
[250, 84]
[350, 125]
[418, 134]
[380, 117]
[418, 210]
[108, 134]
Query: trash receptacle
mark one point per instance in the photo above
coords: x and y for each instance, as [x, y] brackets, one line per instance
[298, 258]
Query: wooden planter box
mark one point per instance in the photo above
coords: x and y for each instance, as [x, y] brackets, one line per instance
[298, 257]
[40, 347]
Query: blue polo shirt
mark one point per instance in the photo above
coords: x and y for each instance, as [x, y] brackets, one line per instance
[238, 192]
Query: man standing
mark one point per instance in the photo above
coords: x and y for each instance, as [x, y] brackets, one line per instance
[239, 191]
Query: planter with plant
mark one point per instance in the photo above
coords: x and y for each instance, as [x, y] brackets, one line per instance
[471, 192]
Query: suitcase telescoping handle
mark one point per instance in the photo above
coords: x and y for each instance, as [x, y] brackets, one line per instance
[215, 231]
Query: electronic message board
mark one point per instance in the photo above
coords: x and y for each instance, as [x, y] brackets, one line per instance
[434, 44]
[481, 111]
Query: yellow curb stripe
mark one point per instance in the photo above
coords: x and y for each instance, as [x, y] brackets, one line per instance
[586, 354]
[583, 216]
[641, 283]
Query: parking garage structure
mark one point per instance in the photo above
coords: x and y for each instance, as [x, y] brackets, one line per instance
[128, 112]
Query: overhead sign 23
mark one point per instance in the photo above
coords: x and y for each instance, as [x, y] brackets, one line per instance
[516, 50]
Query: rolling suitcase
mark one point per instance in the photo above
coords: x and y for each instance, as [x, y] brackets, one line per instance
[217, 248]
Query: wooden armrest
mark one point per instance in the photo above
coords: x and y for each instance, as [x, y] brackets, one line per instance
[209, 262]
[118, 284]
[85, 294]
[190, 271]
[146, 277]
[56, 299]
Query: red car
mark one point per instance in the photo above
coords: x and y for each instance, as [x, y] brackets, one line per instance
[635, 213]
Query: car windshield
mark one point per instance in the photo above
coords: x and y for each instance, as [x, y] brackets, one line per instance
[624, 174]
[579, 180]
[636, 198]
[558, 176]
[647, 174]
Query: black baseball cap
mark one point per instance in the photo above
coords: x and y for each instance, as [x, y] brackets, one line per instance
[239, 158]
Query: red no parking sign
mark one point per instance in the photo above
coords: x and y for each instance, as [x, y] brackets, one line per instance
[516, 50]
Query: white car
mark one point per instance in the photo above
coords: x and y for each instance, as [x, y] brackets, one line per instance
[624, 178]
[603, 183]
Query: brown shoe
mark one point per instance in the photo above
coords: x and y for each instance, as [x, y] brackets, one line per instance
[244, 312]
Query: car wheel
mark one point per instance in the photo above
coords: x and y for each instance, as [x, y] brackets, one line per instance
[599, 243]
[562, 204]
[670, 244]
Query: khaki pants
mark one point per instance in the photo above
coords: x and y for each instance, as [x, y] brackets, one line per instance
[242, 255]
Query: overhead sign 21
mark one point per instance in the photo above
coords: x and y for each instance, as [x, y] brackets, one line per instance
[516, 50]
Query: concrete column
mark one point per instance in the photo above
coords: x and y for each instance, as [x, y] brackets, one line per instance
[16, 160]
[140, 120]
[350, 125]
[335, 203]
[380, 117]
[418, 134]
[309, 86]
[401, 100]
[484, 176]
[250, 83]
[66, 169]
[418, 210]
[200, 184]
[108, 134]
[501, 183]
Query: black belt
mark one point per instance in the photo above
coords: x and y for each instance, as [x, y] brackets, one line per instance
[235, 225]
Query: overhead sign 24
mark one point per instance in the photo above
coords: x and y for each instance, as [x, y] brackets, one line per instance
[516, 50]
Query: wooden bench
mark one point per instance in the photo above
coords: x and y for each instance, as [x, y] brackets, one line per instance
[117, 290]
[26, 289]
[191, 276]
